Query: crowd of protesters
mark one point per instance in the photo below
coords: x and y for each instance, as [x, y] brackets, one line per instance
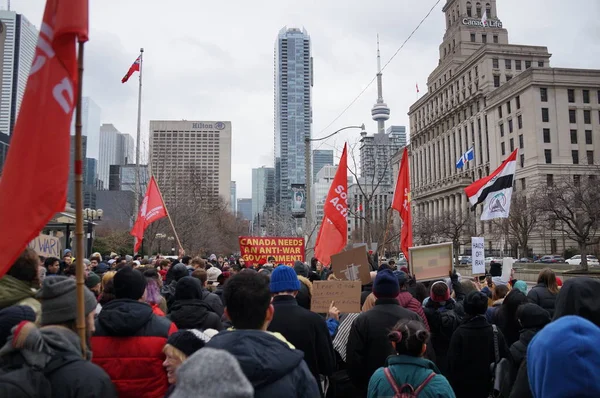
[220, 327]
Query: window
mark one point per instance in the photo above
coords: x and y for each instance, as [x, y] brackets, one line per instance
[541, 64]
[523, 184]
[546, 136]
[478, 10]
[508, 78]
[496, 81]
[590, 157]
[586, 96]
[472, 37]
[588, 137]
[496, 39]
[522, 160]
[575, 156]
[545, 115]
[521, 144]
[501, 130]
[520, 121]
[512, 144]
[527, 64]
[549, 180]
[518, 64]
[510, 126]
[543, 94]
[573, 136]
[508, 108]
[508, 64]
[587, 117]
[500, 112]
[469, 10]
[518, 101]
[495, 63]
[484, 38]
[502, 149]
[548, 155]
[572, 116]
[571, 95]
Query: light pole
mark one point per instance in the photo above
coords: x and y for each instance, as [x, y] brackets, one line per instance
[308, 175]
[171, 239]
[160, 237]
[91, 215]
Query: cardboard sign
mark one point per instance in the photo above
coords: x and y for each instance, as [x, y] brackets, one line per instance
[344, 294]
[478, 256]
[507, 265]
[46, 246]
[430, 262]
[352, 265]
[285, 250]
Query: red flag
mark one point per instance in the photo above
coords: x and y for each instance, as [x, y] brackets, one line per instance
[152, 209]
[135, 67]
[401, 203]
[333, 235]
[33, 190]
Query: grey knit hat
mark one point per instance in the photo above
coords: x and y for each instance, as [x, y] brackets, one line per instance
[59, 300]
[196, 377]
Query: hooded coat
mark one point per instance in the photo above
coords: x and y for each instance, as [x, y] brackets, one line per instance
[14, 291]
[305, 293]
[540, 295]
[274, 369]
[533, 318]
[506, 316]
[189, 311]
[128, 345]
[174, 274]
[443, 320]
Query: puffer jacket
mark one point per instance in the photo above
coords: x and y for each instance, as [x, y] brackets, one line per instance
[540, 295]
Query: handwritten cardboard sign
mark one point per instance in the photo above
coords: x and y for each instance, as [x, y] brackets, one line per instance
[344, 294]
[430, 262]
[352, 265]
[46, 246]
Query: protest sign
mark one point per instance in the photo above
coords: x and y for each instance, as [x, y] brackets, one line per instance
[430, 262]
[507, 266]
[478, 256]
[352, 265]
[46, 246]
[344, 294]
[285, 250]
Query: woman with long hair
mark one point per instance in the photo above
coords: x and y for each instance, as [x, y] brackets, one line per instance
[152, 294]
[545, 292]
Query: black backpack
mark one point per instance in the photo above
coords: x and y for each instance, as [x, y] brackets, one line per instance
[22, 380]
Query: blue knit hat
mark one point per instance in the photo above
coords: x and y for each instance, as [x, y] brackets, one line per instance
[284, 279]
[521, 285]
[386, 285]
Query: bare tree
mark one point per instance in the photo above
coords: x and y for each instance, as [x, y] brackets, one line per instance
[522, 221]
[455, 227]
[424, 229]
[573, 205]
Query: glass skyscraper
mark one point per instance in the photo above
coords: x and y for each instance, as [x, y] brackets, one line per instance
[293, 110]
[321, 158]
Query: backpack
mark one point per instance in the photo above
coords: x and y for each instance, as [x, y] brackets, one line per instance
[501, 369]
[399, 391]
[26, 381]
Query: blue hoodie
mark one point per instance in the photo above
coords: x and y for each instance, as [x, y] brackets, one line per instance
[563, 359]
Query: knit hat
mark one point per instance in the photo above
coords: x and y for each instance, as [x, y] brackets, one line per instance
[386, 285]
[11, 317]
[92, 280]
[178, 271]
[59, 300]
[66, 251]
[212, 274]
[404, 269]
[402, 278]
[188, 288]
[301, 269]
[439, 298]
[383, 266]
[476, 303]
[521, 286]
[129, 283]
[196, 377]
[563, 359]
[188, 341]
[101, 269]
[559, 282]
[284, 279]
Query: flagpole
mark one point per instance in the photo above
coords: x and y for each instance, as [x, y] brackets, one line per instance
[138, 139]
[168, 215]
[80, 270]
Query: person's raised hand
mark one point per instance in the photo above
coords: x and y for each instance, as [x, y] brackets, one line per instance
[333, 312]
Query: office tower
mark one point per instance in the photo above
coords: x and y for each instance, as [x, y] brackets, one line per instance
[115, 148]
[293, 110]
[19, 38]
[263, 190]
[321, 158]
[233, 197]
[244, 206]
[399, 134]
[376, 152]
[191, 155]
[122, 178]
[90, 126]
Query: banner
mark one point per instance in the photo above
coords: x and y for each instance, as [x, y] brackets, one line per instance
[298, 200]
[478, 256]
[285, 250]
[344, 294]
[46, 246]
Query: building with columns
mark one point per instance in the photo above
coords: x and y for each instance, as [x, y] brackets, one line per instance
[495, 96]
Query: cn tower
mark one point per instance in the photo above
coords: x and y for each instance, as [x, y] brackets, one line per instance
[380, 111]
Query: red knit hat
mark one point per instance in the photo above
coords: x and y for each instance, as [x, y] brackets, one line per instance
[558, 281]
[439, 298]
[262, 261]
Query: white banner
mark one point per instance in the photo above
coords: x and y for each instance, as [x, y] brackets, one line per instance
[478, 255]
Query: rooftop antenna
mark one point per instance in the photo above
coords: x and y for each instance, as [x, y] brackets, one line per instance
[8, 4]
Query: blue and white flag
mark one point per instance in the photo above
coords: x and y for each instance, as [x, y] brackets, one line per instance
[469, 155]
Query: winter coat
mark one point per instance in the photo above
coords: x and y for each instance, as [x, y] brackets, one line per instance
[368, 345]
[307, 331]
[168, 292]
[16, 292]
[194, 314]
[470, 355]
[128, 345]
[521, 387]
[443, 321]
[540, 295]
[274, 369]
[492, 311]
[410, 370]
[219, 293]
[213, 301]
[155, 309]
[58, 348]
[304, 295]
[533, 319]
[506, 316]
[406, 300]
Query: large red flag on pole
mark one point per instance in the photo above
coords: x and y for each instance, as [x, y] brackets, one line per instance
[152, 209]
[401, 203]
[33, 190]
[333, 235]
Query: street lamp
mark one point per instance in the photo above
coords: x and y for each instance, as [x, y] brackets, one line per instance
[308, 176]
[91, 215]
[171, 239]
[160, 237]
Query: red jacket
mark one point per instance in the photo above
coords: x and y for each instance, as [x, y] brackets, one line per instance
[128, 345]
[407, 301]
[156, 310]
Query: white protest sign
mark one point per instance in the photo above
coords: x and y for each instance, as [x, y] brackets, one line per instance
[507, 265]
[478, 255]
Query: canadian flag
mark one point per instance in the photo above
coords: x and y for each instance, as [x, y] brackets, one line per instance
[401, 203]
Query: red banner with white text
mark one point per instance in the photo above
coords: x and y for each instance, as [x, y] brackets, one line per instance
[285, 250]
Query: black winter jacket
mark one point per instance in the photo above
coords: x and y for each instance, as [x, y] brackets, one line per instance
[533, 319]
[443, 321]
[213, 301]
[368, 345]
[540, 295]
[194, 314]
[274, 369]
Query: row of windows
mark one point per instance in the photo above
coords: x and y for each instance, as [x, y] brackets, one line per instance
[518, 64]
[574, 136]
[587, 116]
[574, 155]
[585, 96]
[483, 38]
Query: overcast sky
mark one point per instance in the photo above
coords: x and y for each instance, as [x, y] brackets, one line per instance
[214, 60]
